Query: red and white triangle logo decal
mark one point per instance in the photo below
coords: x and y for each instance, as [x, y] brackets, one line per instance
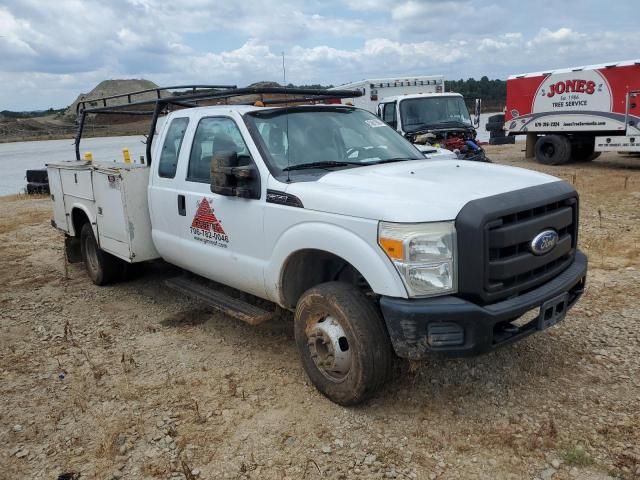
[205, 219]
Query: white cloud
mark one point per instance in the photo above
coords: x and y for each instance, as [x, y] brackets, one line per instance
[490, 45]
[426, 11]
[13, 33]
[237, 63]
[562, 36]
[367, 5]
[49, 51]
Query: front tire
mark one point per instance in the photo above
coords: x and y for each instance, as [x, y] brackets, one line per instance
[553, 150]
[344, 346]
[101, 267]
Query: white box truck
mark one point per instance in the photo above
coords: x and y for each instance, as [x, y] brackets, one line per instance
[325, 211]
[375, 89]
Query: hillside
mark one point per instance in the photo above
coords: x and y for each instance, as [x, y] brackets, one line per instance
[22, 126]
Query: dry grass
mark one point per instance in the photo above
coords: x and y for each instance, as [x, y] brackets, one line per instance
[18, 211]
[113, 439]
[22, 196]
[577, 457]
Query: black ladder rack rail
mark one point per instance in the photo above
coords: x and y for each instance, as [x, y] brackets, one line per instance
[82, 104]
[82, 110]
[190, 100]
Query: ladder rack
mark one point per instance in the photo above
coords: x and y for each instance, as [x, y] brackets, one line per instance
[82, 105]
[190, 100]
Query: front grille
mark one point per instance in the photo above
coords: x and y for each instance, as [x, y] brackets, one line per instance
[511, 267]
[494, 237]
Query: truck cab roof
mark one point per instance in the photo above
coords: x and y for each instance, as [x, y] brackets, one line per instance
[243, 109]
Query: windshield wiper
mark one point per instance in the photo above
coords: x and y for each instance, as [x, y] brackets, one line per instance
[326, 164]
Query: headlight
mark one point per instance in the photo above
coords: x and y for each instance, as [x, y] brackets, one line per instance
[424, 254]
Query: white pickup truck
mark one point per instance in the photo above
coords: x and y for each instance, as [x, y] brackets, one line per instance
[326, 211]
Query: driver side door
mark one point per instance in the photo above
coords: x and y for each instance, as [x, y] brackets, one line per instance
[223, 232]
[389, 114]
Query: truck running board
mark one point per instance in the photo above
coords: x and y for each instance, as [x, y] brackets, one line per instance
[222, 302]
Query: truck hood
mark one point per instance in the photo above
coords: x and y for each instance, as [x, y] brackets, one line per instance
[412, 191]
[435, 153]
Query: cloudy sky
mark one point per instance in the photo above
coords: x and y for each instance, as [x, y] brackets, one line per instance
[50, 50]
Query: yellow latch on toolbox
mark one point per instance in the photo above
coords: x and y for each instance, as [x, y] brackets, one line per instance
[126, 155]
[88, 156]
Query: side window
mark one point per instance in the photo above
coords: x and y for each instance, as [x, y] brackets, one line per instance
[171, 148]
[213, 135]
[389, 114]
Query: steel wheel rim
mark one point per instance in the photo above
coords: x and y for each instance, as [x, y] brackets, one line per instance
[329, 348]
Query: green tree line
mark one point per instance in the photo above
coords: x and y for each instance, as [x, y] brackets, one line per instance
[492, 92]
[32, 114]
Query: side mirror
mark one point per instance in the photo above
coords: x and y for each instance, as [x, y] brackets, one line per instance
[234, 176]
[478, 109]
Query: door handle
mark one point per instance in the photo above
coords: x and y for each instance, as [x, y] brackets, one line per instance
[182, 206]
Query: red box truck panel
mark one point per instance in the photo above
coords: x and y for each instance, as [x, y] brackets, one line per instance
[574, 99]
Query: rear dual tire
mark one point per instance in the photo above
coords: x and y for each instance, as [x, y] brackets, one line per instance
[102, 267]
[583, 150]
[560, 149]
[553, 150]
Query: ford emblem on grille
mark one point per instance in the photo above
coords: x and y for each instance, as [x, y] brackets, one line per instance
[544, 242]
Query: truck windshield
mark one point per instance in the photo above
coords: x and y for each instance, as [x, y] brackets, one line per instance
[420, 113]
[298, 138]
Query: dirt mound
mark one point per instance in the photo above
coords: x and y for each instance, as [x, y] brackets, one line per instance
[114, 87]
[264, 84]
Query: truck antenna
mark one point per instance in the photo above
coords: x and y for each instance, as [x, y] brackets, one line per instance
[284, 84]
[284, 72]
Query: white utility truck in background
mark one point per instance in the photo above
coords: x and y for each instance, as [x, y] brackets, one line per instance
[420, 110]
[325, 211]
[574, 114]
[373, 90]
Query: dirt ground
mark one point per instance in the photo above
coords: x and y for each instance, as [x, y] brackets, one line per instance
[135, 381]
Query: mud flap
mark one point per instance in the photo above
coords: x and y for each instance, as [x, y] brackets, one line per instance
[72, 249]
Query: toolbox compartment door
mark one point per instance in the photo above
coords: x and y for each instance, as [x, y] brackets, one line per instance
[111, 217]
[59, 210]
[77, 182]
[122, 212]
